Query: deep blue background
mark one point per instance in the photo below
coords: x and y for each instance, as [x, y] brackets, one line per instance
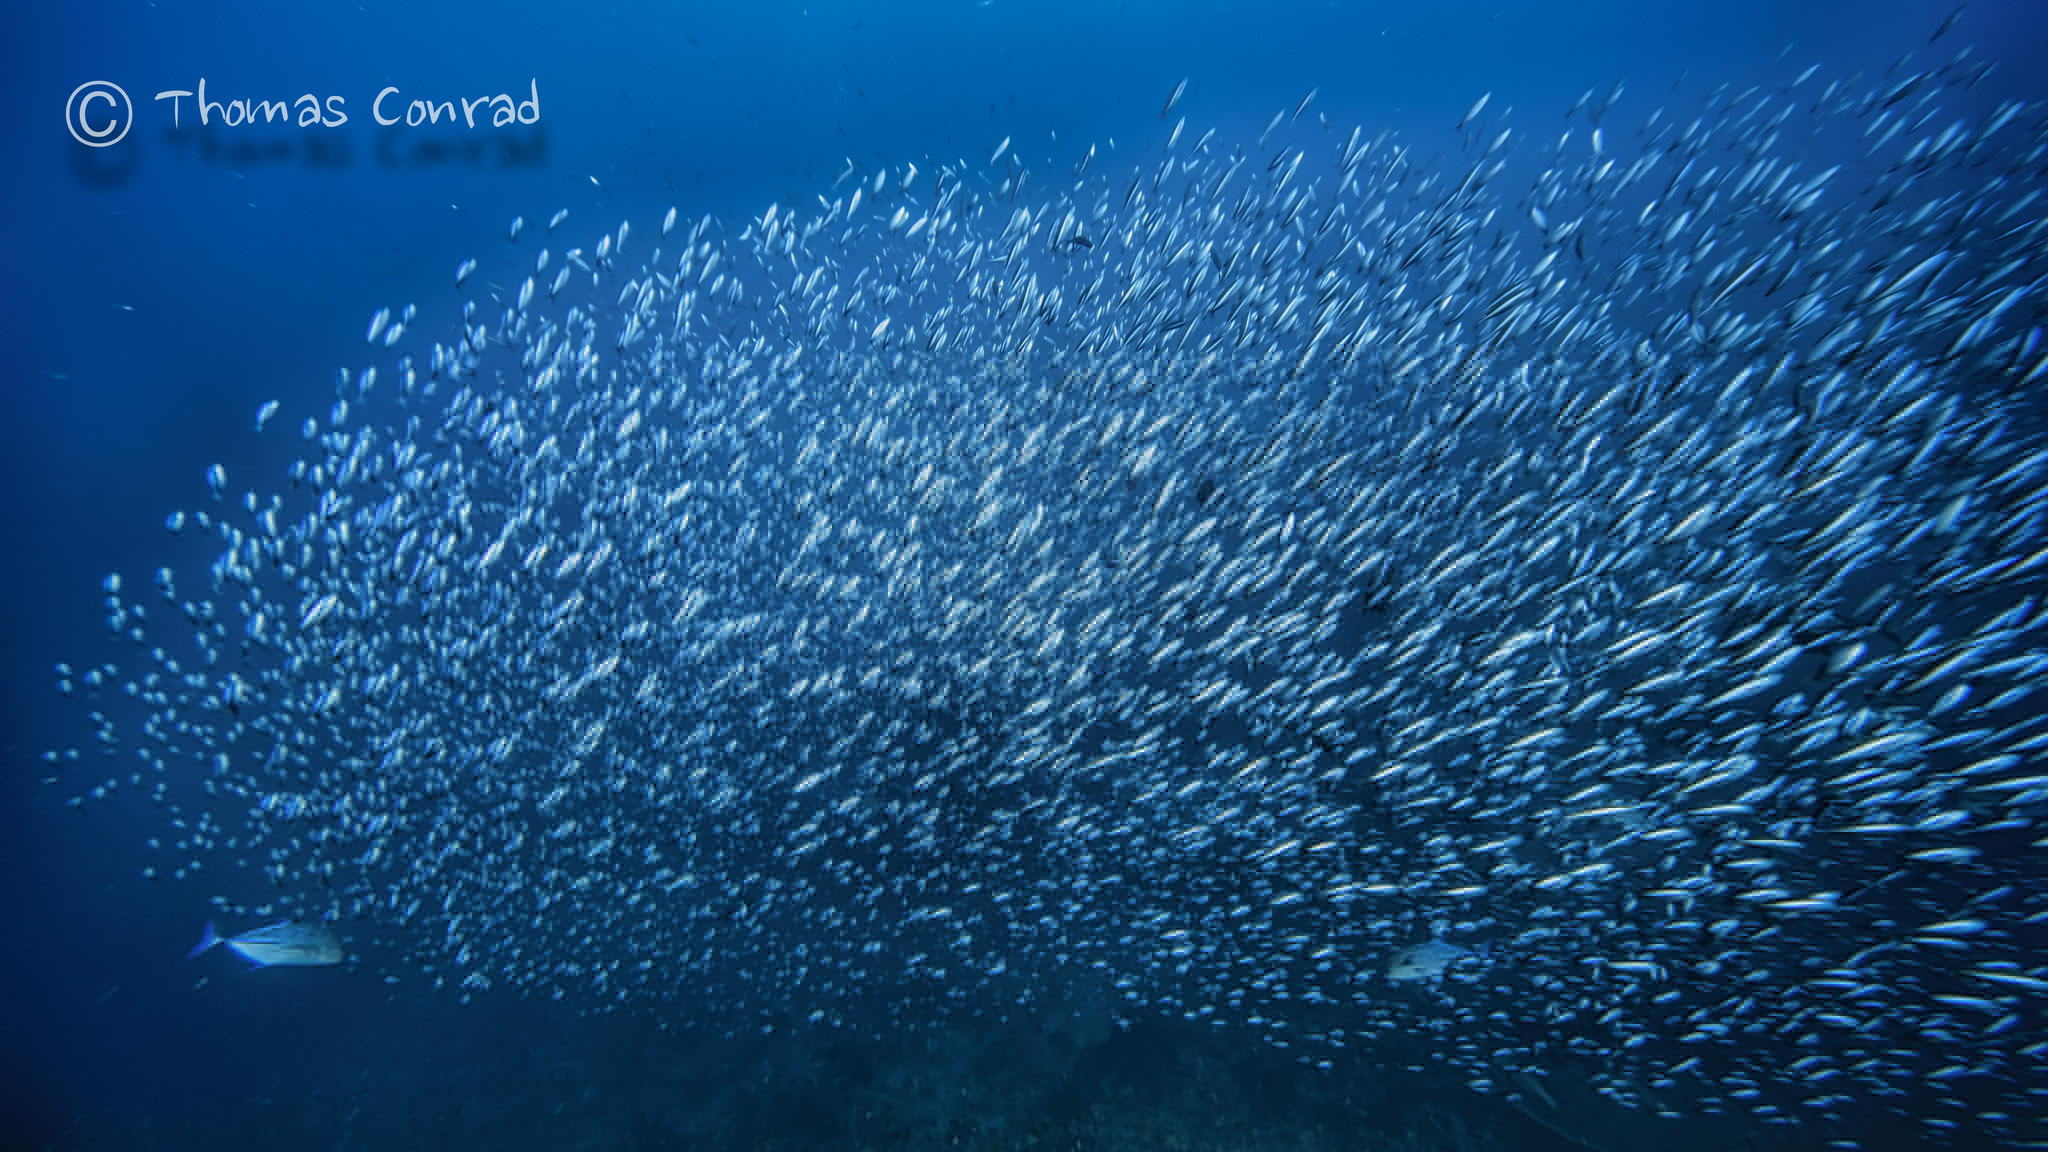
[155, 293]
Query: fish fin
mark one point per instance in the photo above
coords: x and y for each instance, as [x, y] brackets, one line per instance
[207, 940]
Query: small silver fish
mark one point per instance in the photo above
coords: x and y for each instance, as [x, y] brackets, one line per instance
[287, 943]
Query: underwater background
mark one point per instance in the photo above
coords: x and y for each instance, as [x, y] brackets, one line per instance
[161, 290]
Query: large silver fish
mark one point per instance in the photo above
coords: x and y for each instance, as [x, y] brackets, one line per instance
[287, 943]
[1425, 961]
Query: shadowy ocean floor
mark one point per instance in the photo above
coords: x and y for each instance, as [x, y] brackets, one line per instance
[507, 1077]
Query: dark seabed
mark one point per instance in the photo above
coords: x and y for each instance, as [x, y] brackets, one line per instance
[1026, 576]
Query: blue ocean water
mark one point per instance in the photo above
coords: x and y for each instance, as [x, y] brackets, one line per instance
[161, 289]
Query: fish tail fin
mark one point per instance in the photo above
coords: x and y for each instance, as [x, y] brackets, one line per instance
[207, 940]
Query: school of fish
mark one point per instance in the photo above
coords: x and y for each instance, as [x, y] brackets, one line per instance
[1581, 599]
